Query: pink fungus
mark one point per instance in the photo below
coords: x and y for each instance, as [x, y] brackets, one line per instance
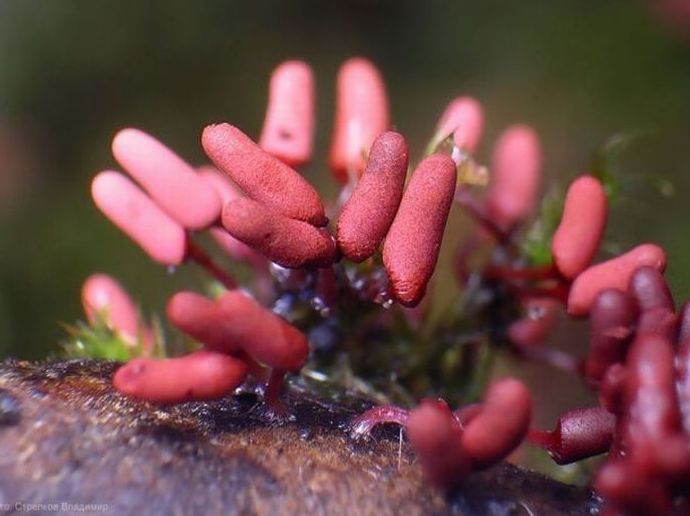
[363, 424]
[611, 323]
[411, 248]
[369, 213]
[463, 118]
[501, 425]
[613, 273]
[579, 434]
[436, 437]
[287, 242]
[263, 335]
[650, 393]
[650, 290]
[237, 323]
[103, 296]
[204, 320]
[531, 330]
[515, 177]
[361, 115]
[201, 375]
[161, 237]
[170, 181]
[577, 238]
[288, 130]
[224, 187]
[629, 490]
[234, 248]
[261, 176]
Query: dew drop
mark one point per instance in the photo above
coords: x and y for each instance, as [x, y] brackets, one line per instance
[319, 304]
[458, 155]
[10, 408]
[283, 305]
[383, 297]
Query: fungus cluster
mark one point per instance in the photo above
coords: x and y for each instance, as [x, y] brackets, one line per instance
[451, 444]
[351, 280]
[638, 361]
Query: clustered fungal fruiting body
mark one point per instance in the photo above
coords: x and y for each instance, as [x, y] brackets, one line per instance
[368, 214]
[343, 287]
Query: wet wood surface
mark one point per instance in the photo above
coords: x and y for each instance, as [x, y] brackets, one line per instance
[70, 444]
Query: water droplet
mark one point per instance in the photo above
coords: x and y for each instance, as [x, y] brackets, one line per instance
[10, 408]
[536, 312]
[320, 305]
[283, 305]
[278, 272]
[358, 284]
[326, 337]
[458, 155]
[383, 297]
[171, 269]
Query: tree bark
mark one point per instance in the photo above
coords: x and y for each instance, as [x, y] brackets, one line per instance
[70, 444]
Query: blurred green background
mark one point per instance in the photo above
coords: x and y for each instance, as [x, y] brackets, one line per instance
[73, 72]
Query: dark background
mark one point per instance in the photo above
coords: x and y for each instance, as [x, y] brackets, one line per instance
[73, 72]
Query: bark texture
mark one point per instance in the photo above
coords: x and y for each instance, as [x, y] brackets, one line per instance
[66, 438]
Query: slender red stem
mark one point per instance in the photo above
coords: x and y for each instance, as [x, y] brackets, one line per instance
[274, 388]
[326, 286]
[472, 206]
[365, 423]
[558, 292]
[524, 273]
[462, 255]
[554, 357]
[198, 255]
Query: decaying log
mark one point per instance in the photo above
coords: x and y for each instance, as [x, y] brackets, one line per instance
[69, 444]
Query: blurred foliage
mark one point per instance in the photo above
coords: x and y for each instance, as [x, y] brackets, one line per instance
[73, 72]
[97, 341]
[536, 244]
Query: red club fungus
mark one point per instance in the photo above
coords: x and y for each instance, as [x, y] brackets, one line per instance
[261, 176]
[103, 297]
[163, 239]
[314, 305]
[288, 131]
[263, 335]
[541, 315]
[172, 183]
[515, 177]
[361, 114]
[411, 248]
[451, 444]
[234, 248]
[287, 242]
[201, 375]
[613, 273]
[501, 424]
[577, 238]
[436, 437]
[612, 319]
[204, 320]
[236, 322]
[463, 118]
[369, 213]
[649, 288]
[579, 434]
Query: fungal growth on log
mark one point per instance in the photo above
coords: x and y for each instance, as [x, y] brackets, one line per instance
[343, 294]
